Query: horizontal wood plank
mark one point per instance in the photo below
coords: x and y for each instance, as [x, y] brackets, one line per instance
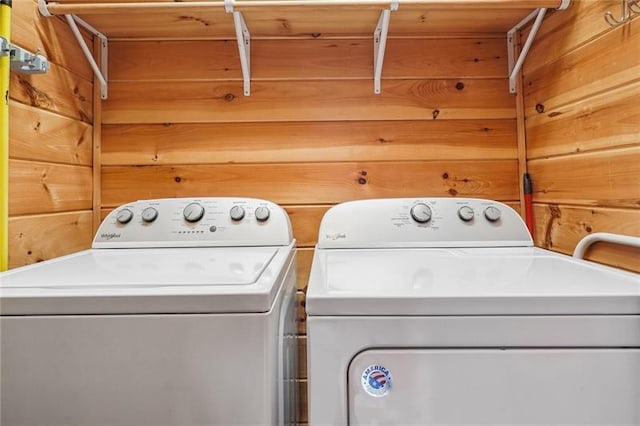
[36, 187]
[305, 221]
[42, 237]
[360, 20]
[325, 183]
[607, 120]
[565, 30]
[607, 178]
[58, 90]
[216, 102]
[561, 227]
[307, 59]
[52, 37]
[36, 134]
[586, 71]
[308, 141]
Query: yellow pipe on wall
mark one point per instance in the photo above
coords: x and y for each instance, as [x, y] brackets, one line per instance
[5, 68]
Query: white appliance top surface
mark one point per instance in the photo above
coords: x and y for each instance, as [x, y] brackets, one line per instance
[466, 281]
[152, 280]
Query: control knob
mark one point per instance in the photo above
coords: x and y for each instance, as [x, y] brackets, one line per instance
[421, 213]
[124, 216]
[492, 213]
[465, 213]
[237, 213]
[149, 214]
[193, 212]
[262, 214]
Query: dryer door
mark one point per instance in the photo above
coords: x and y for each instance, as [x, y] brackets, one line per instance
[494, 387]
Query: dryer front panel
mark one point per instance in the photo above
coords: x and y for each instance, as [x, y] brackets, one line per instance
[494, 387]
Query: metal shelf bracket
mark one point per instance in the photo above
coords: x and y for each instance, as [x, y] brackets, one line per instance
[380, 44]
[515, 65]
[244, 44]
[73, 21]
[22, 60]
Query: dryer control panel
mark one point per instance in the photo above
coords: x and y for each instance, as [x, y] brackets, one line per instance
[195, 222]
[422, 222]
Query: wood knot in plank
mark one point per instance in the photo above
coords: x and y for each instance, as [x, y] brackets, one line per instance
[459, 85]
[229, 97]
[539, 108]
[178, 179]
[435, 113]
[36, 97]
[453, 192]
[362, 180]
[194, 19]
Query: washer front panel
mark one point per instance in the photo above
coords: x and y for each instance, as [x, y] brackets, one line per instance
[496, 387]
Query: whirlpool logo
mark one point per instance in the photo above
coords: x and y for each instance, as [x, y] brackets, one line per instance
[336, 236]
[110, 236]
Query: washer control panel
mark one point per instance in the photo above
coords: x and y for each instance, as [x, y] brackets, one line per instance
[195, 222]
[422, 222]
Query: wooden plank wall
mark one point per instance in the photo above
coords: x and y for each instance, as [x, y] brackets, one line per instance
[312, 133]
[50, 143]
[582, 85]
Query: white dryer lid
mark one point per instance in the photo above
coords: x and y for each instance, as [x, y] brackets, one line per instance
[156, 280]
[469, 281]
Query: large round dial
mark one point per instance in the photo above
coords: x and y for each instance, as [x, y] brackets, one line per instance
[465, 213]
[492, 213]
[124, 216]
[262, 214]
[421, 213]
[193, 212]
[149, 214]
[236, 213]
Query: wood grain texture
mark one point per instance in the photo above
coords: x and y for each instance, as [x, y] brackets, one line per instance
[308, 59]
[36, 187]
[52, 37]
[36, 134]
[561, 227]
[302, 357]
[607, 120]
[305, 221]
[607, 178]
[58, 90]
[42, 237]
[318, 183]
[333, 21]
[307, 142]
[564, 31]
[304, 258]
[215, 102]
[586, 71]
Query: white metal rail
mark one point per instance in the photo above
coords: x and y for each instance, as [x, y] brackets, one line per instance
[604, 237]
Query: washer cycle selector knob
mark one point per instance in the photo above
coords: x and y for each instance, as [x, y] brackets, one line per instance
[421, 213]
[492, 213]
[124, 216]
[465, 213]
[149, 214]
[193, 212]
[262, 214]
[237, 213]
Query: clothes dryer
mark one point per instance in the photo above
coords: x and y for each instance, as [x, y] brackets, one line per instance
[442, 312]
[181, 313]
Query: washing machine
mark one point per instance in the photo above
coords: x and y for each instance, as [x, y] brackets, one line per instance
[442, 312]
[181, 313]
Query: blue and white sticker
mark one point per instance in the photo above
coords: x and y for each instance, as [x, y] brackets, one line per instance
[376, 380]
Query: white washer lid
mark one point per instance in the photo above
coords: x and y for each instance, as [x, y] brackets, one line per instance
[161, 280]
[473, 281]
